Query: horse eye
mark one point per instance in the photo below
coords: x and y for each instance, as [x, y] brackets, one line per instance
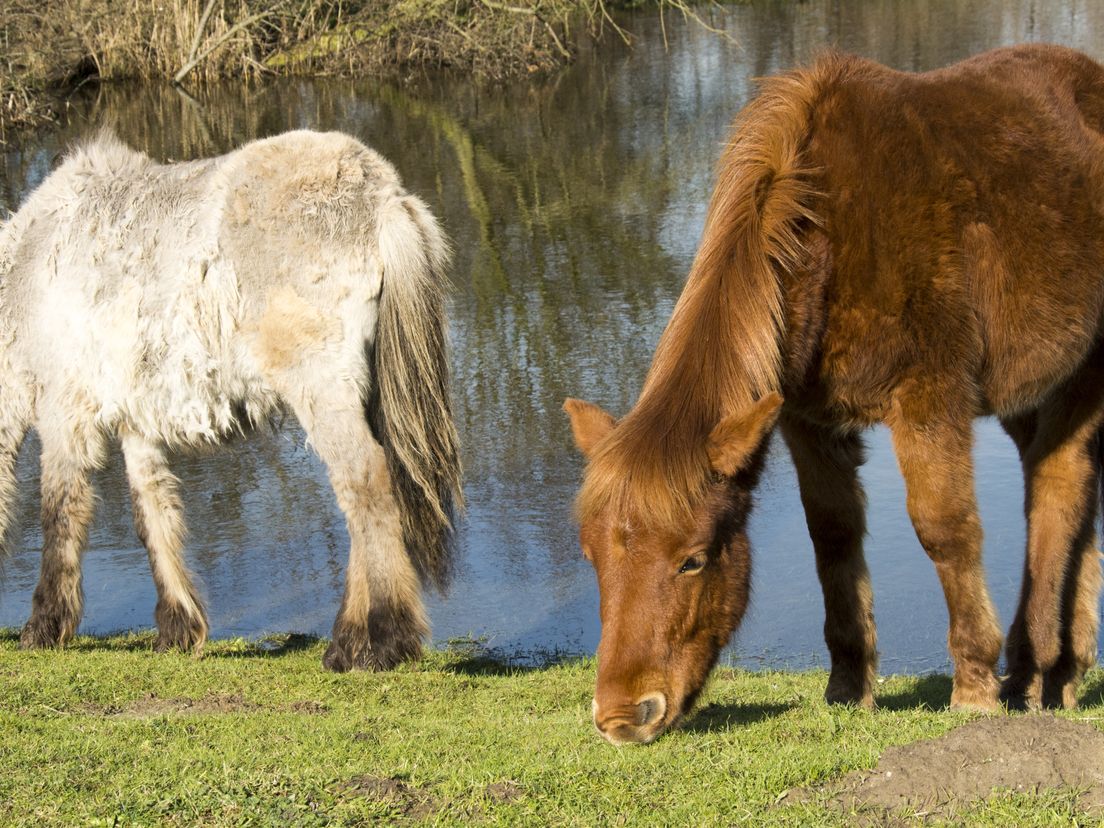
[692, 564]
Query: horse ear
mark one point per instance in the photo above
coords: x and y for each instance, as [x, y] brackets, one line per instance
[589, 424]
[736, 437]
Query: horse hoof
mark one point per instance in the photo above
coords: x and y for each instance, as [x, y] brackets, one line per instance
[1060, 696]
[345, 654]
[42, 633]
[335, 659]
[185, 644]
[388, 637]
[339, 661]
[865, 700]
[1021, 695]
[975, 699]
[179, 630]
[849, 693]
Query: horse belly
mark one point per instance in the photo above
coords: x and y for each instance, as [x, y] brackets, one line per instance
[158, 356]
[1039, 317]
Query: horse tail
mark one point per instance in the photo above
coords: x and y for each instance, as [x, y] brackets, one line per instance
[409, 406]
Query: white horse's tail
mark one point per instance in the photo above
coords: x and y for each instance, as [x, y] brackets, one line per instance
[409, 407]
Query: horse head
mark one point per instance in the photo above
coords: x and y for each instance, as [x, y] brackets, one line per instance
[671, 591]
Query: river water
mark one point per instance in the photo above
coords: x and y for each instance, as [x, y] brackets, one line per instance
[575, 204]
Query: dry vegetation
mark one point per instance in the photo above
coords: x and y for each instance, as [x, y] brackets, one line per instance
[49, 46]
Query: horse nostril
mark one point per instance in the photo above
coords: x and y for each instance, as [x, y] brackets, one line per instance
[650, 709]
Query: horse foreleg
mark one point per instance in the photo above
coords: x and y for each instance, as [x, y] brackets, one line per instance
[1052, 640]
[382, 621]
[67, 506]
[935, 460]
[835, 510]
[159, 522]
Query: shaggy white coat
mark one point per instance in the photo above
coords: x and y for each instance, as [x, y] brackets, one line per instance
[173, 305]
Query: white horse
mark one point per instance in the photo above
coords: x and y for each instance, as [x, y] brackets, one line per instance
[176, 305]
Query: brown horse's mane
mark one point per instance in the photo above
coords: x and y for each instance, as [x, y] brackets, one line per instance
[722, 347]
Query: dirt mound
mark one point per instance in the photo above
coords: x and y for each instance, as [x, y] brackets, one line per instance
[309, 706]
[503, 792]
[1023, 754]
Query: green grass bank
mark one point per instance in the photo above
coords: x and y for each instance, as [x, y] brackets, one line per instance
[108, 733]
[47, 47]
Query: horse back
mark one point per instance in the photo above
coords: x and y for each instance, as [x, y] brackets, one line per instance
[168, 296]
[962, 210]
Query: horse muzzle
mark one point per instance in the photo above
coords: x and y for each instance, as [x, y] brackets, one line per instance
[639, 722]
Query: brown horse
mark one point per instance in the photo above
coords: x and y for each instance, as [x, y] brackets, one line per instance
[912, 249]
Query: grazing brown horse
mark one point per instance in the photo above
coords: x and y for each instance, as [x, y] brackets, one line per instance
[912, 249]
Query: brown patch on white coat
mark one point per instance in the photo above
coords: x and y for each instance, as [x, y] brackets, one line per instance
[176, 305]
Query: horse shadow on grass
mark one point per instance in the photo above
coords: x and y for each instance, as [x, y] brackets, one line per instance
[1092, 691]
[719, 717]
[931, 692]
[490, 666]
[120, 642]
[473, 658]
[934, 693]
[143, 641]
[269, 647]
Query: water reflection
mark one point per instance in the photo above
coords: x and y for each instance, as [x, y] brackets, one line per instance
[575, 205]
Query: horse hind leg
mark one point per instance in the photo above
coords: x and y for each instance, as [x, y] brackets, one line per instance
[159, 522]
[72, 447]
[382, 620]
[1080, 623]
[1081, 602]
[1052, 640]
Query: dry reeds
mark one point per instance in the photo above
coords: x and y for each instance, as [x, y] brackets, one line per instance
[46, 46]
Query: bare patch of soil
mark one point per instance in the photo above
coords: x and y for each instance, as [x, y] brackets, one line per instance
[503, 793]
[309, 707]
[408, 800]
[151, 705]
[1021, 754]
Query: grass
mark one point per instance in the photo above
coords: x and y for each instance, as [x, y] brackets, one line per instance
[108, 733]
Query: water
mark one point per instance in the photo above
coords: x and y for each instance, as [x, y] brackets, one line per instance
[575, 205]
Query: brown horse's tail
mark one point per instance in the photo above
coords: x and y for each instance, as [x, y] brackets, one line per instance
[409, 406]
